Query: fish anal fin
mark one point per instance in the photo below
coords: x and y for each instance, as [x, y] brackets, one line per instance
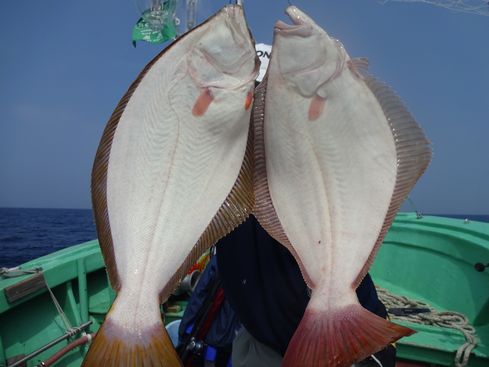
[202, 103]
[316, 107]
[99, 189]
[413, 151]
[264, 210]
[359, 66]
[112, 346]
[340, 338]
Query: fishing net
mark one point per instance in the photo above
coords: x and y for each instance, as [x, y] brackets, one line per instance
[480, 7]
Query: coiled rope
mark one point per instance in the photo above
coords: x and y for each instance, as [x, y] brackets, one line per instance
[447, 319]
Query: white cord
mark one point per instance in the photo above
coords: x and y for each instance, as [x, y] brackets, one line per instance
[376, 360]
[59, 308]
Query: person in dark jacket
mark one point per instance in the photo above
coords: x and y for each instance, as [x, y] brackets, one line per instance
[264, 286]
[209, 324]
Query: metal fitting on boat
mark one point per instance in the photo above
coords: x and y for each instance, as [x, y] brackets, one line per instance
[480, 267]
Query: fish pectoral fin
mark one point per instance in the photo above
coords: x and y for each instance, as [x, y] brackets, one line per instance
[249, 98]
[203, 102]
[316, 107]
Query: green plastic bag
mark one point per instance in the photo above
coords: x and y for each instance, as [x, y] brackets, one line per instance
[157, 24]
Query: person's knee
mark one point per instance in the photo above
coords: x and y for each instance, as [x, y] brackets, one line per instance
[249, 352]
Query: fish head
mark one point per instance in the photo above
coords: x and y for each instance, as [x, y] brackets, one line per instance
[307, 56]
[225, 55]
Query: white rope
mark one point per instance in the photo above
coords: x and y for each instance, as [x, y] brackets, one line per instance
[376, 360]
[448, 319]
[68, 326]
[17, 272]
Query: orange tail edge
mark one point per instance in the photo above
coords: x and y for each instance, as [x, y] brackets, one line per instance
[113, 346]
[340, 338]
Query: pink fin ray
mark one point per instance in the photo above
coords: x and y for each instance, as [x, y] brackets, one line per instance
[359, 66]
[413, 154]
[340, 338]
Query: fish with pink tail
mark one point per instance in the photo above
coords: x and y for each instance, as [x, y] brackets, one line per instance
[336, 153]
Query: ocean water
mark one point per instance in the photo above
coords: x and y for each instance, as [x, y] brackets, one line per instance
[26, 234]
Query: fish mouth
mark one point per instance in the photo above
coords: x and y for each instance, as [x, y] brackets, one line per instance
[233, 9]
[301, 23]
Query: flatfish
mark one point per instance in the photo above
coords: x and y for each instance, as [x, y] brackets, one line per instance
[172, 175]
[336, 153]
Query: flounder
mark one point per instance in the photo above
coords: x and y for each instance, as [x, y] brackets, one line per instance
[336, 153]
[172, 175]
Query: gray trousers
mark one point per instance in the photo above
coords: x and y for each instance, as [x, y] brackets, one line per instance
[249, 352]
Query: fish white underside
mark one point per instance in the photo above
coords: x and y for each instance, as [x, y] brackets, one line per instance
[330, 179]
[169, 172]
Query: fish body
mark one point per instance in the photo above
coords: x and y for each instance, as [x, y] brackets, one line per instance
[336, 154]
[171, 176]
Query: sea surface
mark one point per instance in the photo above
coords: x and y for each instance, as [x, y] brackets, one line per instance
[26, 234]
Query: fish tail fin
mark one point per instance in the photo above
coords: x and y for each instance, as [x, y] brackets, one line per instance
[115, 347]
[340, 338]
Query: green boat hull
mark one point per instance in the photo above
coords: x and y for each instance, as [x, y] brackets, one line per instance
[430, 259]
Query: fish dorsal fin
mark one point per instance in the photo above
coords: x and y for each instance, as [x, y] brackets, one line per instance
[413, 153]
[264, 210]
[234, 210]
[99, 179]
[359, 66]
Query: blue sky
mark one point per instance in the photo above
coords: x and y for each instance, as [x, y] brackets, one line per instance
[65, 64]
